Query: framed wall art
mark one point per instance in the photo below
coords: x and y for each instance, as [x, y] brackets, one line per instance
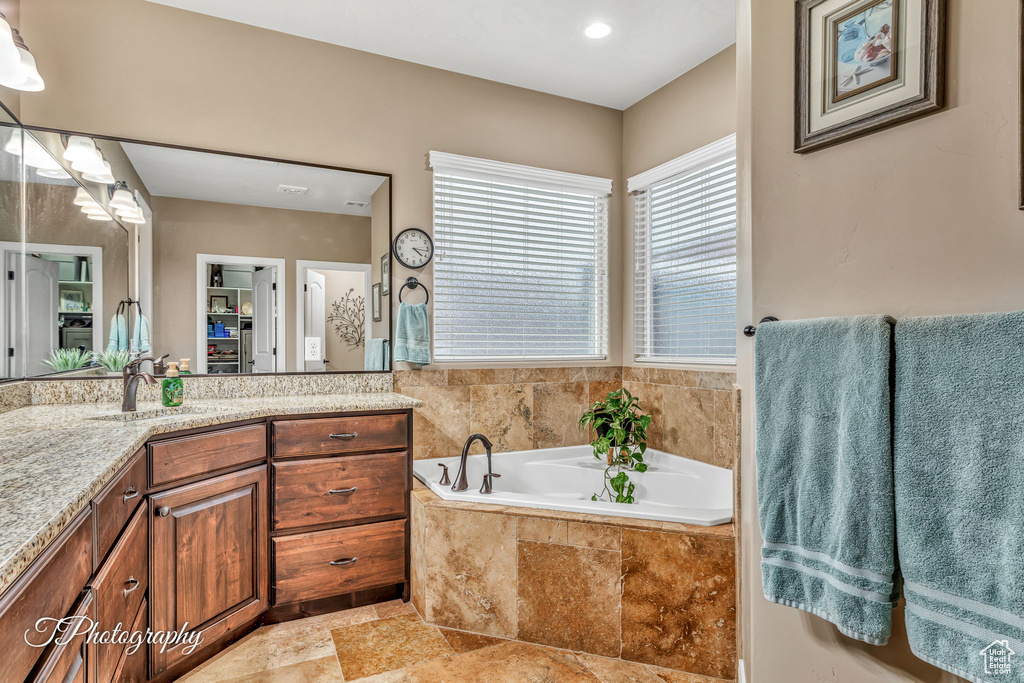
[865, 65]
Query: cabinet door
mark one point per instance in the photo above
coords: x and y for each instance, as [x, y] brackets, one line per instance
[209, 558]
[70, 661]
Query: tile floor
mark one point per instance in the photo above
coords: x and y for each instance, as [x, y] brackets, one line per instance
[389, 643]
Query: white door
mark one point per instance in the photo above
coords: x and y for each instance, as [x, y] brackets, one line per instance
[264, 320]
[34, 318]
[314, 317]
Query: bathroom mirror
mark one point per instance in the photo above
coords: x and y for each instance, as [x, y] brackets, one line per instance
[240, 264]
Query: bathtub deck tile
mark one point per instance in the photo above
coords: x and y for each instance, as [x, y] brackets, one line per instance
[543, 530]
[569, 597]
[600, 536]
[719, 530]
[679, 602]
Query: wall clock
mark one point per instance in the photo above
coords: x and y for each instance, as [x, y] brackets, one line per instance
[413, 248]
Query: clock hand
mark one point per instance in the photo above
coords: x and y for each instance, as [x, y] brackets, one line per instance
[421, 252]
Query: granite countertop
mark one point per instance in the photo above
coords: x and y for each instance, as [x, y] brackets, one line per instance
[55, 458]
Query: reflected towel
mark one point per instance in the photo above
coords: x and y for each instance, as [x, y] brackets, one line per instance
[376, 354]
[959, 469]
[140, 337]
[824, 470]
[118, 340]
[412, 334]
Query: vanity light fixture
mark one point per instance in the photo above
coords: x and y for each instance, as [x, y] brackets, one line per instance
[35, 155]
[17, 65]
[137, 219]
[99, 216]
[122, 198]
[87, 159]
[597, 30]
[102, 173]
[83, 199]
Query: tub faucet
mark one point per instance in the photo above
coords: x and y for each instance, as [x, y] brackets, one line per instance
[130, 377]
[461, 484]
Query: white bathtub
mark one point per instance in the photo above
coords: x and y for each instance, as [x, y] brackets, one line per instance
[673, 489]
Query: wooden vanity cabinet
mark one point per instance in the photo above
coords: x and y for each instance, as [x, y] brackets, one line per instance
[71, 661]
[209, 558]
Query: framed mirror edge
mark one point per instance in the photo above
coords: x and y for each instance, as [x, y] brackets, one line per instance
[389, 177]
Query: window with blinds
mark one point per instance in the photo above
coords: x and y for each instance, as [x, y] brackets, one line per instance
[685, 258]
[521, 262]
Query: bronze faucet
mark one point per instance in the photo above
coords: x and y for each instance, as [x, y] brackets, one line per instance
[460, 479]
[130, 377]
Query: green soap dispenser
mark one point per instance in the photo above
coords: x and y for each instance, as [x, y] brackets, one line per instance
[172, 389]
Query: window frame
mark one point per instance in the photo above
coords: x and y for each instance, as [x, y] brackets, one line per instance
[691, 162]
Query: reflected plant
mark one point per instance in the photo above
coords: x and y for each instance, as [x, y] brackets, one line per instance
[349, 319]
[63, 360]
[113, 361]
[620, 431]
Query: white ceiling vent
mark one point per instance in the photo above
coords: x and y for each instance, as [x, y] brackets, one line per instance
[293, 190]
[360, 205]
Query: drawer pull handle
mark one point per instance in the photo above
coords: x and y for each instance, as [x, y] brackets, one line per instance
[133, 582]
[349, 435]
[130, 493]
[342, 563]
[351, 490]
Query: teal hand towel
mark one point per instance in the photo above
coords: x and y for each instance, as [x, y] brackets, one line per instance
[824, 470]
[140, 336]
[118, 340]
[375, 357]
[959, 468]
[412, 334]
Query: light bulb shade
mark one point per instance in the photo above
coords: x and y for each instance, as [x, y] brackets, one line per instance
[33, 81]
[8, 50]
[132, 218]
[94, 209]
[20, 73]
[80, 147]
[101, 174]
[128, 210]
[122, 198]
[59, 174]
[35, 154]
[83, 198]
[99, 216]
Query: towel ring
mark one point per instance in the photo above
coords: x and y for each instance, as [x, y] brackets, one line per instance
[413, 283]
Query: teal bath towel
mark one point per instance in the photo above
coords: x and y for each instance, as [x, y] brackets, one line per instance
[824, 470]
[959, 467]
[118, 340]
[140, 336]
[376, 359]
[412, 334]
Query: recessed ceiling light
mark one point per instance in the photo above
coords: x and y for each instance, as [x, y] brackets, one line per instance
[357, 204]
[597, 30]
[294, 190]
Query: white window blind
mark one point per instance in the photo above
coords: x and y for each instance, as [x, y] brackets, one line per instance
[521, 262]
[685, 258]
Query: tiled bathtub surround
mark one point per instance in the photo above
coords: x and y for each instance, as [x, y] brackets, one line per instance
[658, 593]
[107, 390]
[524, 408]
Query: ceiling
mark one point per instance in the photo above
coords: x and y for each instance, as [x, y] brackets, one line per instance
[535, 44]
[185, 174]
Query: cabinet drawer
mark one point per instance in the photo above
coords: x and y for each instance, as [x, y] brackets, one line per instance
[132, 667]
[339, 435]
[326, 563]
[69, 662]
[113, 507]
[48, 588]
[189, 456]
[120, 587]
[309, 492]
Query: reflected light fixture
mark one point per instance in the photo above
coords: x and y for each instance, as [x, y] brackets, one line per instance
[87, 159]
[17, 65]
[597, 30]
[102, 173]
[83, 198]
[35, 155]
[102, 216]
[122, 197]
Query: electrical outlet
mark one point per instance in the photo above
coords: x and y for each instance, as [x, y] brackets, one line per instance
[314, 349]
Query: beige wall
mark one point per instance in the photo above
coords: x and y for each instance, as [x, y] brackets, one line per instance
[341, 357]
[692, 111]
[186, 227]
[211, 83]
[915, 220]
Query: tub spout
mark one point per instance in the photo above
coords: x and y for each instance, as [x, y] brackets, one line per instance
[461, 483]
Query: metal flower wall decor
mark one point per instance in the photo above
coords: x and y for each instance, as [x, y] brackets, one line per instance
[349, 319]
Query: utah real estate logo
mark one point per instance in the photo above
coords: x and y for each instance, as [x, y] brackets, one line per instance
[997, 657]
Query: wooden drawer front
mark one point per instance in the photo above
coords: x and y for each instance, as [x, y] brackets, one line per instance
[48, 588]
[120, 587]
[339, 435]
[115, 504]
[132, 667]
[69, 662]
[309, 492]
[304, 569]
[189, 456]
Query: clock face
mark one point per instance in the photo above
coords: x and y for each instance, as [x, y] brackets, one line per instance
[414, 248]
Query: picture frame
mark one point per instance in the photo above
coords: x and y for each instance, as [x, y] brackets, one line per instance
[865, 65]
[376, 302]
[218, 303]
[71, 300]
[385, 274]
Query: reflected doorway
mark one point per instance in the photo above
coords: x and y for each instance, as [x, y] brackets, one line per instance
[334, 317]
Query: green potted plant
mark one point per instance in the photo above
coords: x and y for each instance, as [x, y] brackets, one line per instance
[620, 440]
[63, 360]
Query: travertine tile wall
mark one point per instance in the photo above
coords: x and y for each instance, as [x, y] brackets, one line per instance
[653, 592]
[523, 408]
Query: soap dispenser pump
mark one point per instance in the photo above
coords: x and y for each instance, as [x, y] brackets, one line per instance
[172, 390]
[183, 367]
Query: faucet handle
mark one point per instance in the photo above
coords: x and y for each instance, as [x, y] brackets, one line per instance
[486, 486]
[444, 475]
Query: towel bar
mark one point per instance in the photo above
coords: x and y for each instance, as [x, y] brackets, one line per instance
[750, 330]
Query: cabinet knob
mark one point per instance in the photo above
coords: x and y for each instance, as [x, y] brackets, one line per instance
[164, 511]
